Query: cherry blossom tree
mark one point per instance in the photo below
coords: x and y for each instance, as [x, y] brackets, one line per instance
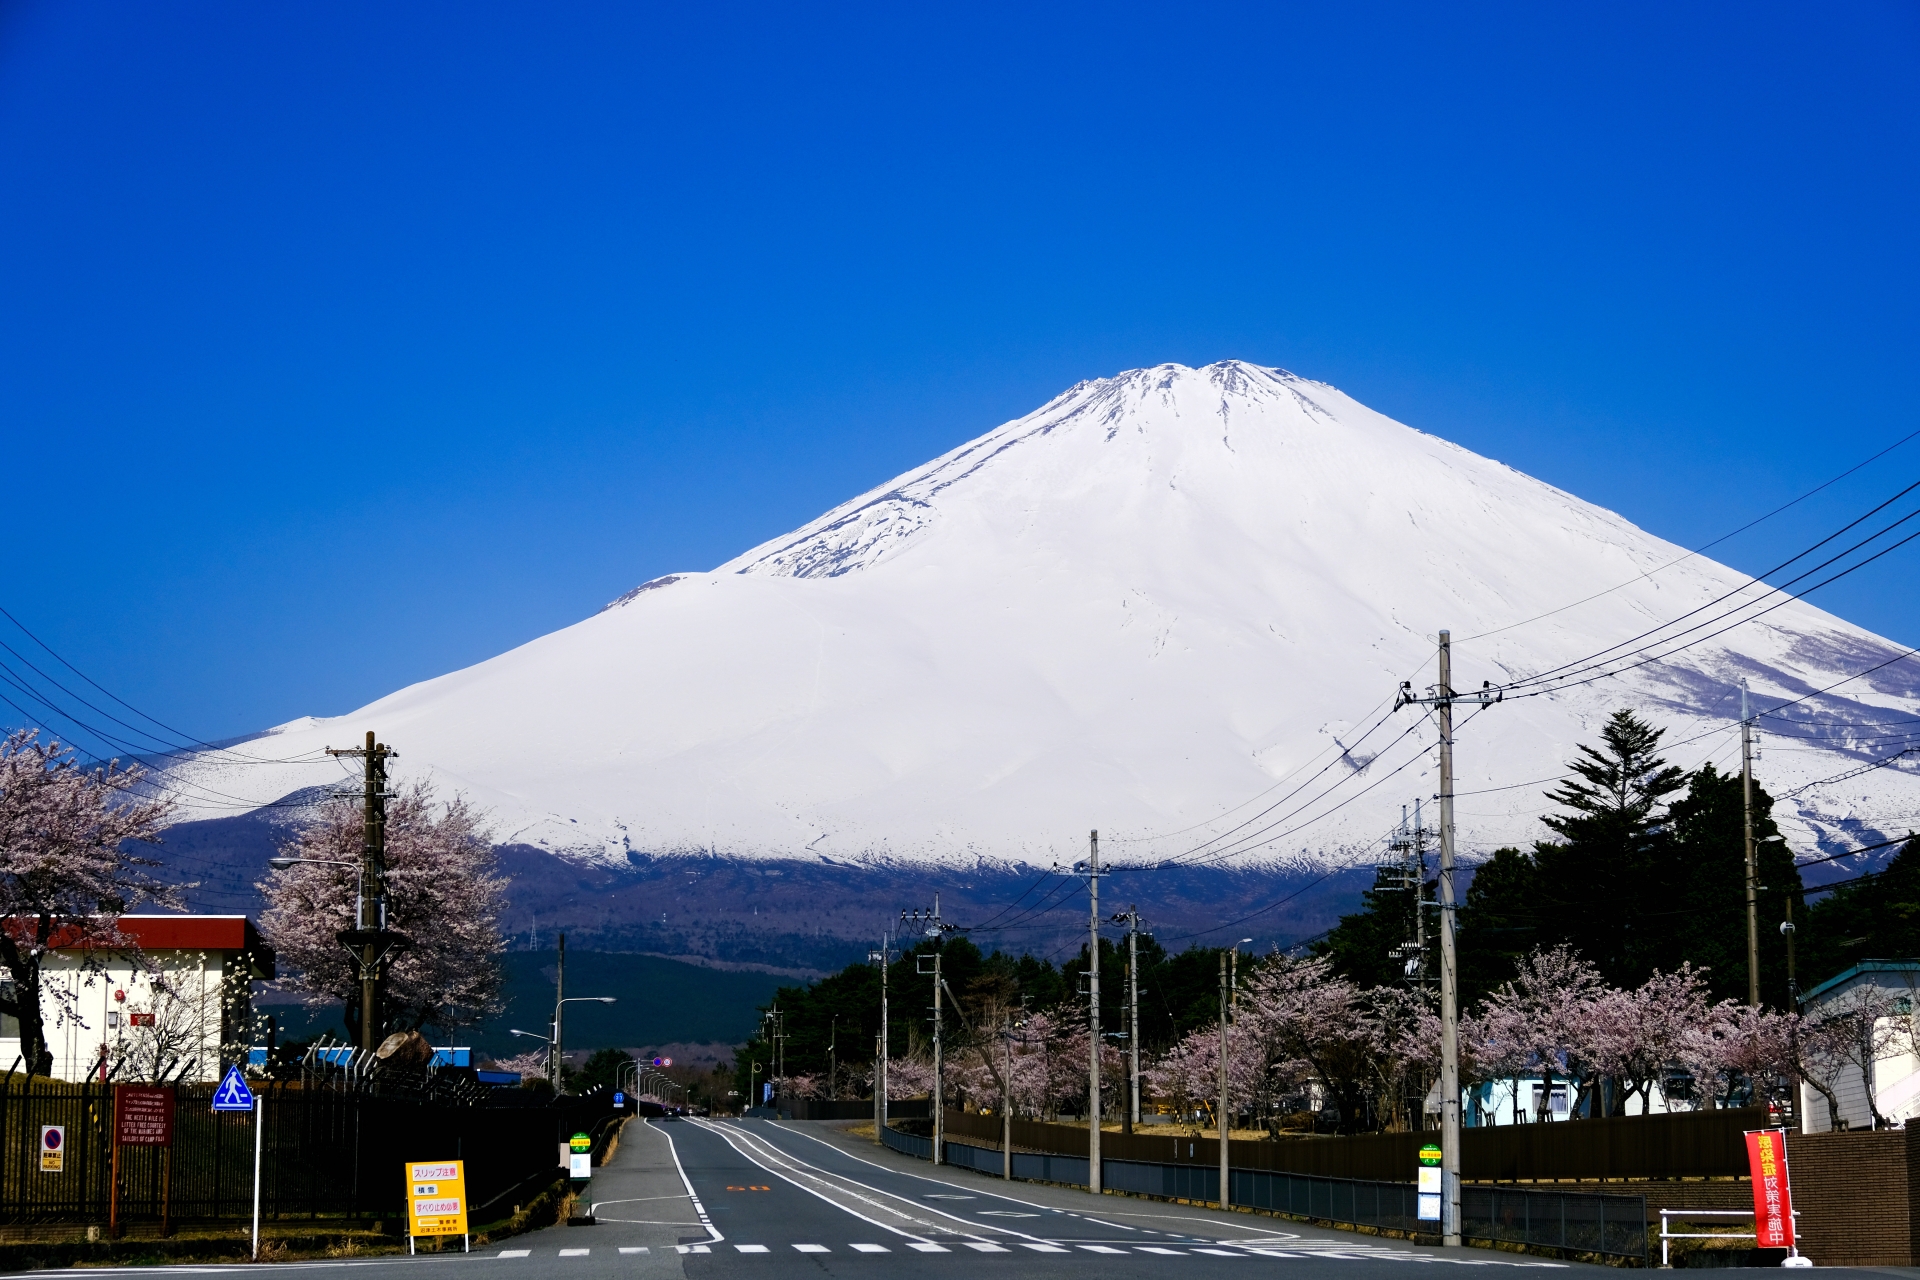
[1538, 1022]
[67, 875]
[1736, 1046]
[444, 894]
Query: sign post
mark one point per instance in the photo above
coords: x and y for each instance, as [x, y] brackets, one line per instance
[580, 1157]
[437, 1201]
[1429, 1190]
[1772, 1194]
[233, 1095]
[142, 1117]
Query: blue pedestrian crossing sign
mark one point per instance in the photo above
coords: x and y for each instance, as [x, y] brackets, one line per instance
[233, 1094]
[619, 1099]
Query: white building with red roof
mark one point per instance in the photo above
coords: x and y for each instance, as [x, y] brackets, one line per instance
[181, 1015]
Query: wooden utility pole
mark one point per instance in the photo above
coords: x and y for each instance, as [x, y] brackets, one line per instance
[369, 940]
[1753, 862]
[1093, 1014]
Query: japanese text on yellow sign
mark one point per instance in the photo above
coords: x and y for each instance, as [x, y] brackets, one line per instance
[437, 1198]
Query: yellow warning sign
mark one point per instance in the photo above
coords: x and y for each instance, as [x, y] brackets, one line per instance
[437, 1198]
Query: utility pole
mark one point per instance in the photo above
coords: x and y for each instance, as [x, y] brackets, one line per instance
[1226, 1012]
[559, 1004]
[1006, 1105]
[932, 926]
[1131, 919]
[833, 1049]
[880, 1062]
[1093, 1014]
[1753, 861]
[1441, 698]
[368, 941]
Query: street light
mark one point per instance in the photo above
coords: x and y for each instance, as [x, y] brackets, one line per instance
[555, 1042]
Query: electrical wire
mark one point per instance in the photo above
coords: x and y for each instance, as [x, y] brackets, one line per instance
[1697, 550]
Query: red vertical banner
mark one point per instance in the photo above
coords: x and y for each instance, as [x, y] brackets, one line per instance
[1772, 1198]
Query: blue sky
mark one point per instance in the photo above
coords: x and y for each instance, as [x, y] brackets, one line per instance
[344, 345]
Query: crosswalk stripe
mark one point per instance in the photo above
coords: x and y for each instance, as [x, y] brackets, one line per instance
[1043, 1248]
[515, 1253]
[1154, 1248]
[982, 1246]
[751, 1248]
[575, 1253]
[692, 1248]
[1222, 1253]
[633, 1248]
[1101, 1248]
[812, 1248]
[922, 1247]
[869, 1248]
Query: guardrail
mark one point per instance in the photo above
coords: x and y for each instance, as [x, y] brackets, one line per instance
[1613, 1226]
[1669, 1216]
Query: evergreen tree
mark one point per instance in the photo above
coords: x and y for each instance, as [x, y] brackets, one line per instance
[1876, 916]
[1602, 880]
[1499, 923]
[1363, 945]
[1705, 919]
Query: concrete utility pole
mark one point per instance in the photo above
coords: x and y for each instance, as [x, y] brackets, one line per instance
[1133, 1016]
[932, 926]
[1006, 1106]
[368, 941]
[880, 1062]
[1226, 1191]
[1441, 698]
[1093, 1014]
[1753, 861]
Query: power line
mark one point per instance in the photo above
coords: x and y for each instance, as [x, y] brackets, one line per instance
[1700, 549]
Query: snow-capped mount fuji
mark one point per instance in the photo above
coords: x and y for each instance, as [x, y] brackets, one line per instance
[1138, 608]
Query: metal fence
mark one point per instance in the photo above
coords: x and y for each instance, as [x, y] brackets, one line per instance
[327, 1151]
[1685, 1145]
[1609, 1225]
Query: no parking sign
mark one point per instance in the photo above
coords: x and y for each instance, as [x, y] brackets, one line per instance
[53, 1148]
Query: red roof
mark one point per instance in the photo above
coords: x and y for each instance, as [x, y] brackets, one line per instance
[234, 935]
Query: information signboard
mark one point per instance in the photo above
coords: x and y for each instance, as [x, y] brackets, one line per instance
[142, 1115]
[1430, 1187]
[580, 1157]
[437, 1198]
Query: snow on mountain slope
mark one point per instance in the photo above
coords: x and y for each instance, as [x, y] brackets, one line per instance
[1136, 608]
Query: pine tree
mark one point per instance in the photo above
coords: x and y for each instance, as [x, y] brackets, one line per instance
[1600, 883]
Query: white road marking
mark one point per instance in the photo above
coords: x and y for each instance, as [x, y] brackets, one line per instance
[751, 1248]
[699, 1209]
[575, 1253]
[1154, 1248]
[633, 1248]
[983, 1246]
[1220, 1253]
[870, 1248]
[515, 1253]
[1043, 1248]
[811, 1248]
[921, 1247]
[692, 1248]
[1100, 1248]
[1115, 1225]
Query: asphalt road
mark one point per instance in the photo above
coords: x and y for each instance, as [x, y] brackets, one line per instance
[744, 1199]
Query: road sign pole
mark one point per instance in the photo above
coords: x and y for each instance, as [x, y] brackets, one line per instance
[259, 1117]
